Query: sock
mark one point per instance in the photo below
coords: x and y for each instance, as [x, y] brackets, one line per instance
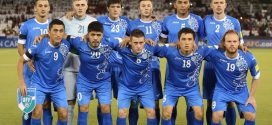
[70, 114]
[190, 116]
[47, 116]
[158, 115]
[152, 121]
[209, 115]
[133, 115]
[82, 118]
[230, 116]
[197, 122]
[99, 115]
[166, 122]
[106, 119]
[216, 123]
[174, 115]
[248, 122]
[28, 121]
[35, 121]
[60, 122]
[121, 121]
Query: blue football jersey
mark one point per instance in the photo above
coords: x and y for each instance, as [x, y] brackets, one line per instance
[48, 61]
[173, 24]
[231, 73]
[136, 69]
[215, 29]
[183, 70]
[95, 63]
[152, 30]
[114, 29]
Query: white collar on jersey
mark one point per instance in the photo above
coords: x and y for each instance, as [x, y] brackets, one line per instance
[52, 45]
[221, 19]
[75, 17]
[183, 18]
[114, 20]
[92, 47]
[185, 55]
[137, 54]
[231, 58]
[41, 23]
[145, 21]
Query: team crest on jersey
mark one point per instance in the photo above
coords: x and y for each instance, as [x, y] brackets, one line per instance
[228, 25]
[64, 50]
[241, 64]
[27, 103]
[193, 24]
[123, 24]
[157, 26]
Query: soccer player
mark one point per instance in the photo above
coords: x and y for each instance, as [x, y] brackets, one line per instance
[136, 78]
[172, 25]
[49, 56]
[184, 65]
[28, 31]
[115, 27]
[216, 25]
[77, 27]
[152, 30]
[231, 66]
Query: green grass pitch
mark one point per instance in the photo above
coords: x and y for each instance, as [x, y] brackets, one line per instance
[11, 115]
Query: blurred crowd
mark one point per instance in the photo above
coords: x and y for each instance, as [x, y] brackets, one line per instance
[254, 15]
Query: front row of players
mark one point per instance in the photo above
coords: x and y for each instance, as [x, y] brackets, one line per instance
[97, 54]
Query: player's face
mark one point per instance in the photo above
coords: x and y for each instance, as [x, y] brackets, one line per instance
[182, 6]
[146, 8]
[114, 10]
[42, 8]
[218, 6]
[94, 38]
[187, 42]
[80, 7]
[56, 34]
[231, 43]
[137, 44]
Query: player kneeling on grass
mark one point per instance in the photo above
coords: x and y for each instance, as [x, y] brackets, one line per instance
[49, 56]
[231, 67]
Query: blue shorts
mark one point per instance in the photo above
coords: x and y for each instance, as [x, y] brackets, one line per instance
[222, 97]
[115, 79]
[85, 91]
[192, 96]
[125, 96]
[156, 83]
[209, 80]
[58, 96]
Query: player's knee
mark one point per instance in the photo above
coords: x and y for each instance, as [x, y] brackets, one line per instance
[150, 113]
[231, 105]
[84, 108]
[105, 108]
[62, 113]
[122, 113]
[250, 116]
[199, 114]
[37, 113]
[217, 116]
[166, 115]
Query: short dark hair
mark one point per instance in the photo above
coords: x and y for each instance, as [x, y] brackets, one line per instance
[137, 33]
[95, 26]
[186, 31]
[56, 22]
[110, 2]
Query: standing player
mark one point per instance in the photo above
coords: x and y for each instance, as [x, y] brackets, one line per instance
[152, 29]
[136, 78]
[115, 27]
[77, 27]
[184, 65]
[49, 56]
[172, 25]
[216, 25]
[231, 66]
[28, 31]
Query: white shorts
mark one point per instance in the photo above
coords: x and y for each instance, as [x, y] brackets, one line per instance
[70, 84]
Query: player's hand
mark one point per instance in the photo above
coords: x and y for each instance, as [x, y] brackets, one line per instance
[244, 48]
[69, 15]
[251, 100]
[150, 42]
[178, 45]
[31, 66]
[38, 39]
[22, 88]
[124, 42]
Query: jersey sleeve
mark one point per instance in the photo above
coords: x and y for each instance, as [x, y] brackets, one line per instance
[201, 29]
[31, 52]
[115, 57]
[254, 67]
[238, 30]
[129, 28]
[161, 50]
[165, 31]
[23, 34]
[75, 41]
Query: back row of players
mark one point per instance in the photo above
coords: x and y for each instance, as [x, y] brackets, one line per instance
[135, 72]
